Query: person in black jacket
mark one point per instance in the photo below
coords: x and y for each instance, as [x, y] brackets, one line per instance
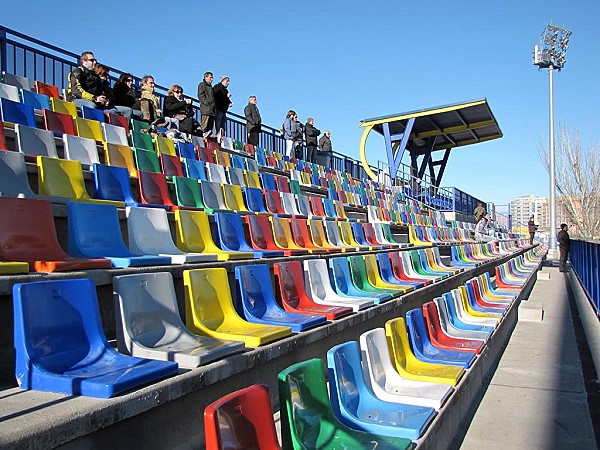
[253, 121]
[325, 151]
[84, 86]
[222, 104]
[124, 91]
[206, 96]
[531, 227]
[311, 133]
[564, 246]
[103, 73]
[174, 105]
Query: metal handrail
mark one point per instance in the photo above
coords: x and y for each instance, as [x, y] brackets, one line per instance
[585, 257]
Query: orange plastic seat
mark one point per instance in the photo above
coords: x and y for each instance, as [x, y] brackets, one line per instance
[46, 89]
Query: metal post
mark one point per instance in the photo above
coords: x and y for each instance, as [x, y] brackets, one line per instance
[552, 167]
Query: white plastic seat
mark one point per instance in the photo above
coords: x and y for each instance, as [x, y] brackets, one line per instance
[236, 176]
[114, 134]
[408, 268]
[318, 286]
[81, 149]
[149, 234]
[387, 384]
[149, 324]
[34, 142]
[334, 235]
[288, 202]
[16, 80]
[216, 173]
[450, 329]
[10, 92]
[380, 236]
[197, 141]
[304, 206]
[227, 143]
[212, 195]
[466, 317]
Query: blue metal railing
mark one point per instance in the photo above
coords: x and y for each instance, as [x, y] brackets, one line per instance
[585, 259]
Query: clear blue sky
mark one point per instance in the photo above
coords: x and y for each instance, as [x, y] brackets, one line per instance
[343, 61]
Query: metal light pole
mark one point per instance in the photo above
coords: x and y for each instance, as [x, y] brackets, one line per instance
[550, 53]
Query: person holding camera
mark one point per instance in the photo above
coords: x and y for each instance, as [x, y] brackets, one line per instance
[532, 228]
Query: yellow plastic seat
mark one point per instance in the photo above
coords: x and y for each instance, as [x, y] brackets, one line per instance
[120, 156]
[282, 235]
[407, 364]
[506, 298]
[209, 310]
[64, 178]
[193, 235]
[90, 129]
[10, 267]
[348, 237]
[61, 106]
[317, 231]
[467, 306]
[252, 179]
[435, 266]
[165, 145]
[375, 279]
[414, 239]
[234, 198]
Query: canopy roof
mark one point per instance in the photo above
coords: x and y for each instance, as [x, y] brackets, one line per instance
[454, 125]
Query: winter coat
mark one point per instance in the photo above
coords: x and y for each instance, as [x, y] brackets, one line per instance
[311, 134]
[253, 119]
[289, 128]
[325, 145]
[564, 241]
[206, 96]
[222, 101]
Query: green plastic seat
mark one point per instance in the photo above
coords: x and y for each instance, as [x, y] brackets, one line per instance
[142, 140]
[188, 194]
[307, 420]
[138, 125]
[147, 160]
[360, 278]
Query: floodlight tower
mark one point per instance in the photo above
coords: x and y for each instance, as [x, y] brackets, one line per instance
[550, 53]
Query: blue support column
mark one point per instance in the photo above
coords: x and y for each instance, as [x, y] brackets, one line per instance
[395, 145]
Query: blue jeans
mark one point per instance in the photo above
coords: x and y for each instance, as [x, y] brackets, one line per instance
[122, 110]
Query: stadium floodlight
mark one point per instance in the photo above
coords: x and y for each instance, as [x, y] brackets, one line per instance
[551, 53]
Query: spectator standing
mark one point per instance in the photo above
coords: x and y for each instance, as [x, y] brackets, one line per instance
[311, 133]
[289, 131]
[531, 227]
[103, 71]
[253, 121]
[325, 151]
[222, 104]
[180, 108]
[206, 96]
[478, 211]
[564, 246]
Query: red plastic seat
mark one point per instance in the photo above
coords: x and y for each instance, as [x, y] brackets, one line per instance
[154, 189]
[27, 233]
[294, 296]
[117, 120]
[273, 202]
[283, 183]
[58, 123]
[171, 165]
[46, 89]
[241, 420]
[302, 237]
[398, 270]
[3, 145]
[261, 234]
[316, 203]
[440, 339]
[249, 148]
[205, 154]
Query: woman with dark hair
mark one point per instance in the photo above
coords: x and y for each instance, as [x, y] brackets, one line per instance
[124, 92]
[180, 108]
[110, 105]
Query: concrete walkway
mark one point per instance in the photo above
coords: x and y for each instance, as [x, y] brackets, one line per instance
[537, 397]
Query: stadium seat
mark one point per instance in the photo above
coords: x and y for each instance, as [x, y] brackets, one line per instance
[360, 278]
[231, 236]
[142, 140]
[387, 384]
[357, 406]
[273, 203]
[118, 120]
[15, 112]
[170, 165]
[452, 326]
[209, 310]
[185, 150]
[268, 181]
[28, 233]
[374, 276]
[193, 235]
[60, 345]
[154, 189]
[301, 236]
[115, 134]
[188, 194]
[112, 183]
[150, 234]
[164, 145]
[440, 339]
[409, 366]
[58, 123]
[402, 268]
[64, 178]
[146, 160]
[235, 176]
[317, 232]
[3, 145]
[257, 300]
[32, 142]
[239, 162]
[212, 196]
[10, 93]
[63, 107]
[92, 114]
[216, 173]
[242, 419]
[120, 156]
[334, 236]
[282, 235]
[79, 149]
[261, 235]
[95, 232]
[343, 282]
[303, 387]
[294, 297]
[234, 200]
[193, 168]
[18, 81]
[48, 90]
[149, 324]
[318, 285]
[205, 154]
[37, 101]
[138, 125]
[90, 129]
[254, 199]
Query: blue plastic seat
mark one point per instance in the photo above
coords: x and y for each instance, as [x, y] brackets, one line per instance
[455, 320]
[92, 113]
[95, 230]
[254, 199]
[255, 293]
[342, 281]
[425, 350]
[239, 162]
[356, 405]
[230, 233]
[186, 150]
[268, 181]
[112, 183]
[60, 346]
[37, 101]
[15, 112]
[387, 273]
[192, 168]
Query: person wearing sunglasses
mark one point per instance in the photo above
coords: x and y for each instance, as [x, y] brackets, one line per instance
[125, 93]
[84, 85]
[175, 105]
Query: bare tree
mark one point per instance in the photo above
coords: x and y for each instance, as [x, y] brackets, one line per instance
[577, 180]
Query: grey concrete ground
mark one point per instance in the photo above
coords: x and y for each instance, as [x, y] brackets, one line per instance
[537, 398]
